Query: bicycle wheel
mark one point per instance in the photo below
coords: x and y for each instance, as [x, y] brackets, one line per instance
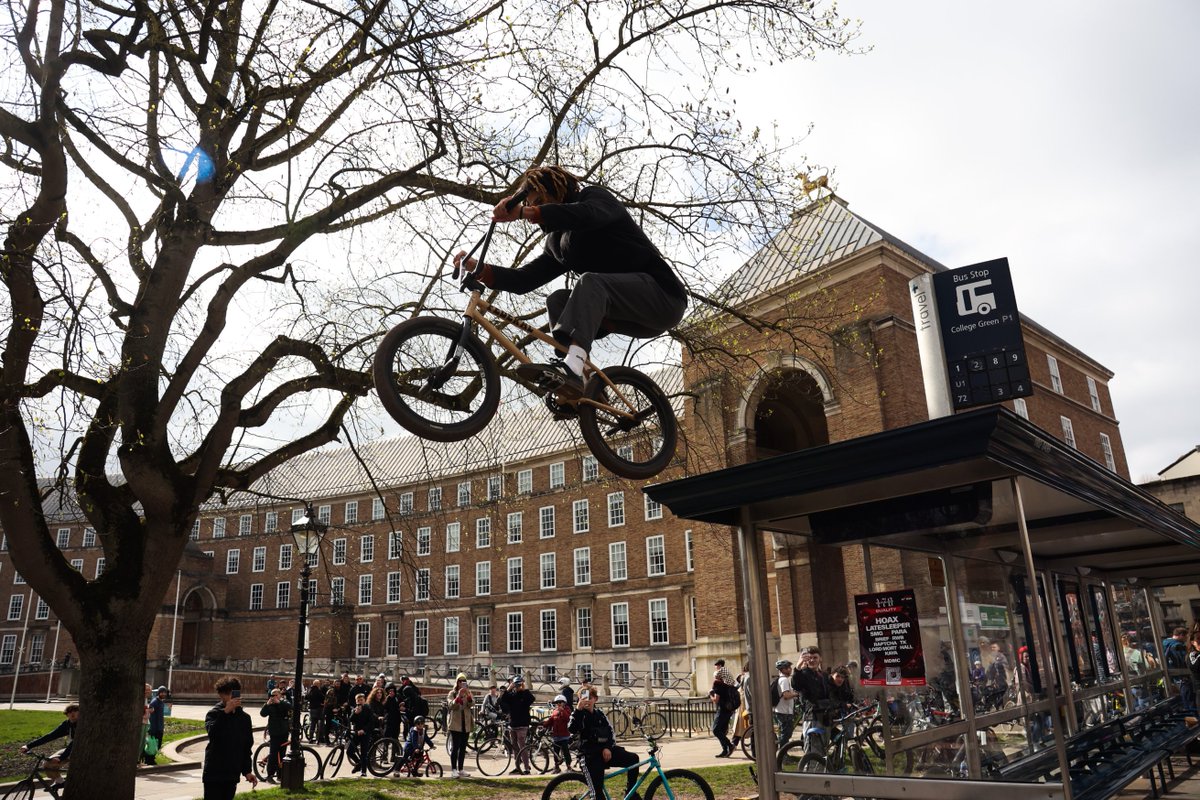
[540, 755]
[857, 761]
[568, 786]
[654, 725]
[430, 395]
[382, 758]
[493, 758]
[433, 770]
[261, 754]
[684, 785]
[333, 761]
[748, 743]
[620, 723]
[21, 791]
[632, 448]
[791, 755]
[313, 768]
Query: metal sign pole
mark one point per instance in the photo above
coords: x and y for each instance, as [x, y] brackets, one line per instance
[930, 347]
[750, 550]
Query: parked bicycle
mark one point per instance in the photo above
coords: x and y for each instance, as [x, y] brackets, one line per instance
[313, 766]
[495, 755]
[834, 748]
[627, 719]
[680, 784]
[437, 379]
[35, 781]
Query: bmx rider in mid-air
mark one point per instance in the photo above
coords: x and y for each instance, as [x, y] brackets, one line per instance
[625, 286]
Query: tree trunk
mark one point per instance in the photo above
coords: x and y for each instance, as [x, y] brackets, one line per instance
[112, 700]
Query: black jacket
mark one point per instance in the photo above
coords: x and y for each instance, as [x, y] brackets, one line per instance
[592, 728]
[65, 728]
[516, 704]
[277, 715]
[590, 232]
[230, 739]
[814, 688]
[364, 719]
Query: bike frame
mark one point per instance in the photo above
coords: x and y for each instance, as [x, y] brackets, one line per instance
[657, 769]
[477, 312]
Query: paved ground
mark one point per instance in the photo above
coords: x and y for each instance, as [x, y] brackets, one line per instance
[178, 782]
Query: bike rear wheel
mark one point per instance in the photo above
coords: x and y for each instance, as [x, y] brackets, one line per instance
[632, 448]
[570, 786]
[493, 758]
[685, 785]
[620, 723]
[428, 393]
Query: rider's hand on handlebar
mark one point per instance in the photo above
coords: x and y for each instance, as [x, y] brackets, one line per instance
[506, 210]
[463, 265]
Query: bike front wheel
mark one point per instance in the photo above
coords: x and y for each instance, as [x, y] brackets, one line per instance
[570, 786]
[493, 758]
[313, 768]
[634, 447]
[431, 385]
[381, 761]
[654, 725]
[433, 770]
[21, 791]
[684, 785]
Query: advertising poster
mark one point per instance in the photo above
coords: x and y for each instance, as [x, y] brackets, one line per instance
[889, 639]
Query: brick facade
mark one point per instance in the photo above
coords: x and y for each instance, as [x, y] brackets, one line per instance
[862, 379]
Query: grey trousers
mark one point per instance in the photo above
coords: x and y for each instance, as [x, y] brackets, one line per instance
[628, 303]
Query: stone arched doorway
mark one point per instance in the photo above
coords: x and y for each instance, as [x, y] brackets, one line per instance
[786, 412]
[789, 414]
[196, 633]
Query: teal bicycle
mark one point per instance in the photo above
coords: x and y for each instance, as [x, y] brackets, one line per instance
[671, 784]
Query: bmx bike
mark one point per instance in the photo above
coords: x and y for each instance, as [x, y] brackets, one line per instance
[440, 381]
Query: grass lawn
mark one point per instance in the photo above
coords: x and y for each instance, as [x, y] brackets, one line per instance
[19, 727]
[728, 783]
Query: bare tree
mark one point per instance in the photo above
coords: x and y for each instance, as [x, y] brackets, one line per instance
[174, 172]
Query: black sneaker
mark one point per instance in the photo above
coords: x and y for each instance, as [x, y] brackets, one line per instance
[558, 410]
[554, 377]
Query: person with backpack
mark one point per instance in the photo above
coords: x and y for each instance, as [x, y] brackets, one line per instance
[724, 696]
[783, 702]
[1175, 656]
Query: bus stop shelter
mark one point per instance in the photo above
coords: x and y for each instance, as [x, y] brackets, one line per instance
[960, 512]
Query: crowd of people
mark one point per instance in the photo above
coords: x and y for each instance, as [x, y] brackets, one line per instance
[805, 693]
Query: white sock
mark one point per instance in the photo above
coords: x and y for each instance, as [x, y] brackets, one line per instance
[576, 356]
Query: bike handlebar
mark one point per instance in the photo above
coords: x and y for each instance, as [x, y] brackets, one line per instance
[483, 243]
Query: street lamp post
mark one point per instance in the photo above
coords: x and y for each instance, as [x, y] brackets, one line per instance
[307, 533]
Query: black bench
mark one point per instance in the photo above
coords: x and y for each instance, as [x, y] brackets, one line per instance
[1104, 759]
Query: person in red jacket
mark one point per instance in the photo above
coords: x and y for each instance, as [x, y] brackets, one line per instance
[557, 723]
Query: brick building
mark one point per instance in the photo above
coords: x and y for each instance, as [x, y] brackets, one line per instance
[515, 550]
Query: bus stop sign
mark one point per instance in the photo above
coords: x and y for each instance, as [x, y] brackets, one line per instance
[974, 315]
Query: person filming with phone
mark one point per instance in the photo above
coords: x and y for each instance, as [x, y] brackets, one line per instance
[227, 756]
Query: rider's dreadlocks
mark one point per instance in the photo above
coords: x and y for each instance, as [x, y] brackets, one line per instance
[555, 182]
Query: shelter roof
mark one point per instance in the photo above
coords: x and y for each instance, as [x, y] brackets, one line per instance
[945, 486]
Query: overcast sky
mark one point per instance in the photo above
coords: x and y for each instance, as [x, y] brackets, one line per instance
[1065, 136]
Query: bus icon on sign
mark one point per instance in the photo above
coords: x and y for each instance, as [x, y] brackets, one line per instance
[970, 299]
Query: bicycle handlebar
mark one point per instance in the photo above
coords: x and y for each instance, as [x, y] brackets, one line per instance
[513, 202]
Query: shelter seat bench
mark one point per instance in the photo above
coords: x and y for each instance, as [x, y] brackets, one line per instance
[1106, 758]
